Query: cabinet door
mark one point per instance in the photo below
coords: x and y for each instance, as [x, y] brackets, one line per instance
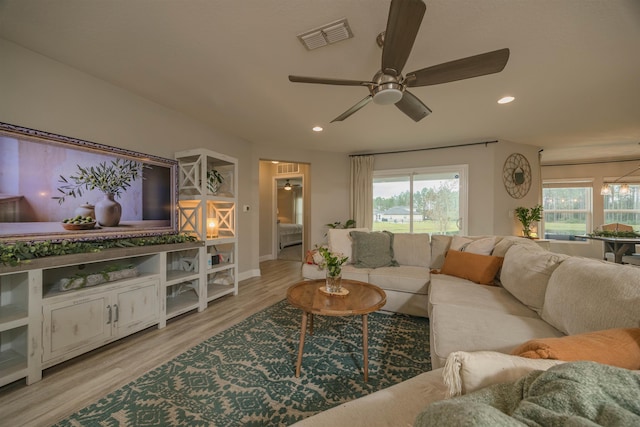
[75, 326]
[136, 308]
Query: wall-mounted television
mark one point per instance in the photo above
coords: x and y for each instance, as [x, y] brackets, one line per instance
[48, 180]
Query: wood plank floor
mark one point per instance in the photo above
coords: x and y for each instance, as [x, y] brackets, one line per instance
[72, 385]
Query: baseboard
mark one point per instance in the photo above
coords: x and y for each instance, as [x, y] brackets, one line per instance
[249, 274]
[267, 257]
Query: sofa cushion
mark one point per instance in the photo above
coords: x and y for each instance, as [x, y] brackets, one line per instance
[526, 272]
[585, 295]
[617, 347]
[372, 249]
[340, 242]
[412, 249]
[446, 289]
[477, 268]
[503, 244]
[439, 247]
[397, 405]
[464, 328]
[481, 246]
[405, 278]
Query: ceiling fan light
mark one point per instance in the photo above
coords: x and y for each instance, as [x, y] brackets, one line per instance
[505, 99]
[287, 186]
[388, 95]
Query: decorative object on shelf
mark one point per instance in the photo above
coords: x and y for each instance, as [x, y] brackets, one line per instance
[212, 228]
[14, 253]
[605, 190]
[86, 209]
[222, 278]
[333, 263]
[527, 217]
[516, 175]
[189, 263]
[214, 181]
[110, 274]
[110, 178]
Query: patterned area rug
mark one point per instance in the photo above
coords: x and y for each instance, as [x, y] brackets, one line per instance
[245, 376]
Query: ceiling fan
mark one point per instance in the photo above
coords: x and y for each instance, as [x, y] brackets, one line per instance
[389, 86]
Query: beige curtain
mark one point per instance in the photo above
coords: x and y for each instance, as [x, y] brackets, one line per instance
[361, 208]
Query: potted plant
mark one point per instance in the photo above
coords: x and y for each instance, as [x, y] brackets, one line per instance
[333, 263]
[110, 178]
[528, 216]
[214, 180]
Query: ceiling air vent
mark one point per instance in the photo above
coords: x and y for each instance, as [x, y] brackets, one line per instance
[327, 34]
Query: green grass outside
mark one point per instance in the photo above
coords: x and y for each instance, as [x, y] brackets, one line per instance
[418, 227]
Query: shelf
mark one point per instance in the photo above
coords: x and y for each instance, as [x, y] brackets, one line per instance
[220, 267]
[220, 240]
[13, 366]
[51, 292]
[181, 304]
[216, 291]
[12, 316]
[176, 276]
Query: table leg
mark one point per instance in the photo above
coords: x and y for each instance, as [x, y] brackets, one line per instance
[303, 330]
[365, 346]
[310, 323]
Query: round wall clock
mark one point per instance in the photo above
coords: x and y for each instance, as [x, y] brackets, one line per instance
[516, 175]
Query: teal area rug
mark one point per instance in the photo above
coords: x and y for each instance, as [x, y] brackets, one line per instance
[245, 375]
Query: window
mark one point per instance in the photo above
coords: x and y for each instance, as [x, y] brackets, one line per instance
[428, 200]
[568, 208]
[623, 208]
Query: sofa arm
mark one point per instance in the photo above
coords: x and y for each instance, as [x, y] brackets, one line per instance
[465, 372]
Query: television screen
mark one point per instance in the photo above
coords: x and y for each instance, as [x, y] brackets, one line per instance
[54, 187]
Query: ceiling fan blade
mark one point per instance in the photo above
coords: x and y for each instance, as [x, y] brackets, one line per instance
[460, 69]
[405, 17]
[323, 81]
[353, 109]
[412, 106]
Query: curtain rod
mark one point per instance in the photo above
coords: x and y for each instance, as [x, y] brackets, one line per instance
[594, 162]
[485, 143]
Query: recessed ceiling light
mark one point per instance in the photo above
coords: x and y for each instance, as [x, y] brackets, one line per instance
[317, 129]
[505, 100]
[275, 162]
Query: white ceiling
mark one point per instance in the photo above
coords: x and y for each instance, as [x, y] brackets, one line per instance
[574, 68]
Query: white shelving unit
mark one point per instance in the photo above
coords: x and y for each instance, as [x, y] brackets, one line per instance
[14, 322]
[212, 217]
[49, 313]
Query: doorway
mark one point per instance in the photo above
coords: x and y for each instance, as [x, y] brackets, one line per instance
[288, 203]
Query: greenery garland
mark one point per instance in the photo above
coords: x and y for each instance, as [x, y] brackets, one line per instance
[16, 252]
[613, 233]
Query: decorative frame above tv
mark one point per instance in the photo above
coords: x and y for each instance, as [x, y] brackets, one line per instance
[47, 178]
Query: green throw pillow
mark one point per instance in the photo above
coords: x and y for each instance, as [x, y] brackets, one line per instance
[372, 249]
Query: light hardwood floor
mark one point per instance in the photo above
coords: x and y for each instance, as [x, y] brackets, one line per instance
[72, 385]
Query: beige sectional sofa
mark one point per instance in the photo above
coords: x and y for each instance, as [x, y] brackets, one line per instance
[473, 327]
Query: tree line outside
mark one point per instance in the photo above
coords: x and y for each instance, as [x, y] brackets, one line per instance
[436, 210]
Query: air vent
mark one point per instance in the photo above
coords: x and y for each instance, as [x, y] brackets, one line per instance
[327, 34]
[285, 168]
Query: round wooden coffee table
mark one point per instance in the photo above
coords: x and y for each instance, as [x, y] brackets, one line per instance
[363, 298]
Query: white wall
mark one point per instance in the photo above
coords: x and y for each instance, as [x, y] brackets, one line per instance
[43, 94]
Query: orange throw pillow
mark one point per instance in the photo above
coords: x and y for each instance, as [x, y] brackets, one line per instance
[480, 269]
[617, 347]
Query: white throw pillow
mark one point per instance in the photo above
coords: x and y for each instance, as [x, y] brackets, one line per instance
[340, 241]
[465, 372]
[480, 246]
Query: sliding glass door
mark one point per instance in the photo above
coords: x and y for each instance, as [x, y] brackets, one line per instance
[425, 200]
